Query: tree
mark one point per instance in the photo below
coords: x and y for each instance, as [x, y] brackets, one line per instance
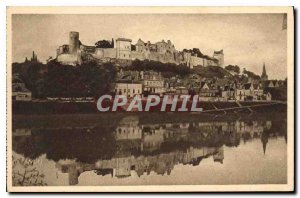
[210, 71]
[25, 174]
[104, 44]
[112, 43]
[29, 73]
[89, 79]
[234, 68]
[251, 75]
[167, 69]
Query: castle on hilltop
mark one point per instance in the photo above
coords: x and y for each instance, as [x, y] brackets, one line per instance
[124, 51]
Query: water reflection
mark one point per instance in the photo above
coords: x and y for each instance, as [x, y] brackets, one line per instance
[138, 146]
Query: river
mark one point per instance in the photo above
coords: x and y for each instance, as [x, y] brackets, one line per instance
[152, 149]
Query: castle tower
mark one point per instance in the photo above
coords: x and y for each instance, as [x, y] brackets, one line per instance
[73, 42]
[264, 75]
[219, 55]
[123, 48]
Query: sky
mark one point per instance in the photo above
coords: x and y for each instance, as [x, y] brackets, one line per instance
[248, 40]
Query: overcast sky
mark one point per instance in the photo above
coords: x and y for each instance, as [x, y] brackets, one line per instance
[248, 40]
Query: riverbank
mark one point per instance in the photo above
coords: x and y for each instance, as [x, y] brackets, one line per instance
[51, 107]
[112, 119]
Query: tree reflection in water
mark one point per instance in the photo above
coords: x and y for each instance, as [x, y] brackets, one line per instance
[135, 143]
[24, 173]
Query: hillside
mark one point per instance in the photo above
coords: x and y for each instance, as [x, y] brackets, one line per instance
[171, 69]
[211, 71]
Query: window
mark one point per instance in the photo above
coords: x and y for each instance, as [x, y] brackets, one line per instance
[133, 91]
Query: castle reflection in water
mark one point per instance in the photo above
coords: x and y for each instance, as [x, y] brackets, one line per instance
[138, 146]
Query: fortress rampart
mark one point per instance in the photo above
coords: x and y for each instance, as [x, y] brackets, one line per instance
[163, 51]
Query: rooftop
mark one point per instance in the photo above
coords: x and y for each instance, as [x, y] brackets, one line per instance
[124, 39]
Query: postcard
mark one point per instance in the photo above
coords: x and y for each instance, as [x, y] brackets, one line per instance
[150, 99]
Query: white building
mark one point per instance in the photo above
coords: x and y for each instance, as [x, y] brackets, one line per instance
[124, 48]
[249, 91]
[153, 82]
[154, 86]
[128, 89]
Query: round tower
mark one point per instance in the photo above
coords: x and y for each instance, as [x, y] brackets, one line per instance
[73, 42]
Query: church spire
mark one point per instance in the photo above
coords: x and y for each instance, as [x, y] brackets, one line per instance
[264, 75]
[264, 70]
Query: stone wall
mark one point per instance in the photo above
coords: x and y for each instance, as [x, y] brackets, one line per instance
[162, 51]
[139, 55]
[68, 59]
[105, 53]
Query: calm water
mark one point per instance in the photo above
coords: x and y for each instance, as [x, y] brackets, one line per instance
[139, 150]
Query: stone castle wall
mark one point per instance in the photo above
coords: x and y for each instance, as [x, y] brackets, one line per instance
[105, 53]
[162, 51]
[69, 59]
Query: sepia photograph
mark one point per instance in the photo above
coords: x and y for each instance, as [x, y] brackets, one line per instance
[150, 99]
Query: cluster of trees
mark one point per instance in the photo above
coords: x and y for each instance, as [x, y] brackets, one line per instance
[210, 71]
[167, 69]
[245, 73]
[251, 75]
[53, 79]
[234, 68]
[31, 74]
[278, 93]
[105, 44]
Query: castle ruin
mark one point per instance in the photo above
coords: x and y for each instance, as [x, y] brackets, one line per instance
[163, 51]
